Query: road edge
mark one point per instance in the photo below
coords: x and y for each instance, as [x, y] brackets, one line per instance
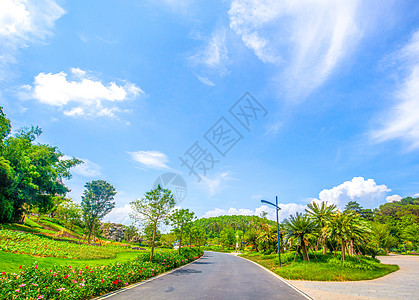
[304, 294]
[121, 290]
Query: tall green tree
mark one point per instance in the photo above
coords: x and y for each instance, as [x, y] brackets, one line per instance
[70, 213]
[31, 173]
[181, 220]
[297, 229]
[153, 209]
[97, 201]
[320, 214]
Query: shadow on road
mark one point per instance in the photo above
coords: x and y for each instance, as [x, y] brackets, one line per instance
[185, 272]
[202, 263]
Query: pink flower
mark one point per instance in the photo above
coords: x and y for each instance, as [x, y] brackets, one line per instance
[36, 267]
[22, 285]
[40, 297]
[82, 284]
[17, 291]
[60, 289]
[74, 281]
[126, 283]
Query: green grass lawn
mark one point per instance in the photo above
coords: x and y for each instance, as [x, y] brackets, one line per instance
[10, 262]
[325, 269]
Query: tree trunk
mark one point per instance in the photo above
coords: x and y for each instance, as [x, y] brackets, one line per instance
[324, 245]
[351, 248]
[304, 248]
[180, 242]
[152, 242]
[90, 233]
[343, 244]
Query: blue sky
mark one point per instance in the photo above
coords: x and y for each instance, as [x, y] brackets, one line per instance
[132, 86]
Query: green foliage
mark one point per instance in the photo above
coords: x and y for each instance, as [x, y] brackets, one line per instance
[97, 201]
[67, 282]
[180, 220]
[30, 173]
[25, 243]
[153, 209]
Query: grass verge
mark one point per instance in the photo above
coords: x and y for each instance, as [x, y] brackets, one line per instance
[326, 268]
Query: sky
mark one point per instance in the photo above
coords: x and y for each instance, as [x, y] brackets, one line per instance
[311, 100]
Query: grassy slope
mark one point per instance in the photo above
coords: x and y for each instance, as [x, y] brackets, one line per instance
[321, 271]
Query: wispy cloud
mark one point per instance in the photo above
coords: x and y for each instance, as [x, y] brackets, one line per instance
[394, 198]
[80, 93]
[205, 80]
[308, 38]
[150, 159]
[402, 120]
[214, 54]
[23, 22]
[216, 183]
[86, 169]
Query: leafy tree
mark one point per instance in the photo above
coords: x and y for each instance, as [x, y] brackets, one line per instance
[228, 237]
[70, 212]
[149, 231]
[31, 174]
[153, 209]
[353, 206]
[297, 228]
[181, 220]
[130, 232]
[200, 235]
[97, 202]
[250, 237]
[320, 214]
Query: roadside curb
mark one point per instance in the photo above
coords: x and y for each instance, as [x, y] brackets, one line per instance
[304, 294]
[121, 290]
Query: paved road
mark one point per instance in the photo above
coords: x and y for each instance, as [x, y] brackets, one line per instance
[402, 284]
[215, 276]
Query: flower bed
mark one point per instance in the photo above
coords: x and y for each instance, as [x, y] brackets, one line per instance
[65, 282]
[26, 243]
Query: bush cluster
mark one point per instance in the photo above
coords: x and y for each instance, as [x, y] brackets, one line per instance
[66, 282]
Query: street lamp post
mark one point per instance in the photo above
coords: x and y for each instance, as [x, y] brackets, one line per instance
[277, 225]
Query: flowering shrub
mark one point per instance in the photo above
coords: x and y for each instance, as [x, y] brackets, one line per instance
[65, 282]
[24, 243]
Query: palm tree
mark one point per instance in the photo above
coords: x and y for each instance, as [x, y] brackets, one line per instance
[347, 227]
[297, 229]
[321, 215]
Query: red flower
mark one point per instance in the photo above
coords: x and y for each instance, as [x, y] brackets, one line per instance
[36, 267]
[69, 266]
[20, 267]
[3, 273]
[21, 273]
[91, 271]
[115, 282]
[82, 279]
[86, 267]
[139, 271]
[103, 280]
[66, 276]
[55, 274]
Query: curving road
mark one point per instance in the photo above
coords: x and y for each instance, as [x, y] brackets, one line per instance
[214, 276]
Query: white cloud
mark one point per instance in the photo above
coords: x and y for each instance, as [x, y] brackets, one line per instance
[366, 192]
[214, 54]
[308, 37]
[393, 198]
[150, 159]
[86, 169]
[402, 121]
[216, 183]
[79, 93]
[119, 215]
[286, 210]
[205, 80]
[23, 22]
[415, 195]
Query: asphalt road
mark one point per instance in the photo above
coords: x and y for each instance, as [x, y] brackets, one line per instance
[214, 276]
